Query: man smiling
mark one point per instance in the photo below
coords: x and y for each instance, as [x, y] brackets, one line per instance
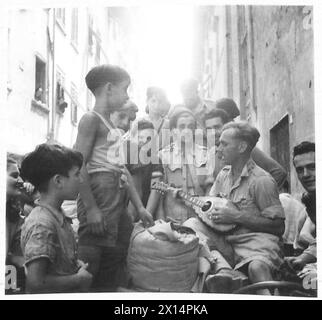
[304, 163]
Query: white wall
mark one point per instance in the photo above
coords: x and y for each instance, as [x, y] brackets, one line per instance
[27, 37]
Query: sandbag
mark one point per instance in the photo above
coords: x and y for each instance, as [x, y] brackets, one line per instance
[163, 259]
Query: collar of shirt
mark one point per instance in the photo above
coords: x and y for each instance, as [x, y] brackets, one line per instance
[58, 215]
[246, 172]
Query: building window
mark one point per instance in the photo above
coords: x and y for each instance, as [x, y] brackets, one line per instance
[73, 105]
[61, 104]
[61, 18]
[74, 32]
[40, 81]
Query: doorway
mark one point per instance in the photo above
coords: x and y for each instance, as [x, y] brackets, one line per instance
[280, 145]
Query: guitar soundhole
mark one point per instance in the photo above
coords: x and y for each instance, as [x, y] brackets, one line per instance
[206, 207]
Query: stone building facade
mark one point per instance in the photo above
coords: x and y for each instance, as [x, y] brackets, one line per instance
[48, 53]
[262, 57]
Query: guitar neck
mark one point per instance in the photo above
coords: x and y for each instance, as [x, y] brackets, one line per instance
[164, 187]
[192, 200]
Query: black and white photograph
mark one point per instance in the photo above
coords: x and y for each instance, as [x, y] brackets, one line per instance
[158, 147]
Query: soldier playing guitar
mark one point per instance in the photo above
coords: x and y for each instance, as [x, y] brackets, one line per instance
[260, 217]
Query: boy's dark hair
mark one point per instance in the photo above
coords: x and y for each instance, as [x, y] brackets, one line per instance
[47, 160]
[244, 131]
[145, 124]
[100, 75]
[217, 113]
[229, 106]
[303, 147]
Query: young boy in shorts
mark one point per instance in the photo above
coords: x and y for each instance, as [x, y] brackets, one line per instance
[105, 226]
[47, 239]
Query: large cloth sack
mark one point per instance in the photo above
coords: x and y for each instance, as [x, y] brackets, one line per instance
[161, 259]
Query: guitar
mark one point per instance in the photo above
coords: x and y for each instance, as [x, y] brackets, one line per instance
[201, 205]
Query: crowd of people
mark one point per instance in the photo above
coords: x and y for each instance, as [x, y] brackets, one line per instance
[197, 147]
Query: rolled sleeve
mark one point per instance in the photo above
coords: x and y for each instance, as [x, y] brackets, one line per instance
[273, 212]
[38, 241]
[267, 198]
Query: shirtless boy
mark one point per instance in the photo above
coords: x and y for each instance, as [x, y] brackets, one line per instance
[104, 224]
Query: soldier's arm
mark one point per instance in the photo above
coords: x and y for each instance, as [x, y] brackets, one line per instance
[271, 216]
